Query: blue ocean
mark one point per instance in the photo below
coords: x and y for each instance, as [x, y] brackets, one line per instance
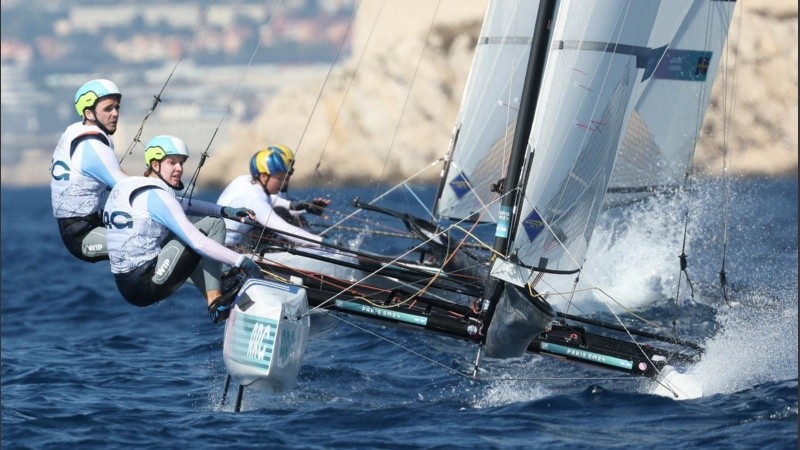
[81, 368]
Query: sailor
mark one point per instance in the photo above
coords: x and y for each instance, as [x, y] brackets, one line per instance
[153, 246]
[84, 168]
[270, 170]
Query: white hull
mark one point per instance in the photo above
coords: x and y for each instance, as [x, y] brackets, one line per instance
[266, 335]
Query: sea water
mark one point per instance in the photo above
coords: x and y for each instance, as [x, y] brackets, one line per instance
[81, 368]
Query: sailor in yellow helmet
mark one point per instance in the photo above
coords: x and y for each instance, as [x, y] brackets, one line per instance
[270, 171]
[84, 167]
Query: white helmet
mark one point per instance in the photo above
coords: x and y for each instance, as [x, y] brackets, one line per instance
[92, 91]
[162, 146]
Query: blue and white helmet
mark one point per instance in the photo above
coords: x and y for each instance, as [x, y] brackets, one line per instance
[162, 146]
[92, 91]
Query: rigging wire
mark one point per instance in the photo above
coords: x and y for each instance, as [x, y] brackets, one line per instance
[157, 98]
[410, 88]
[195, 176]
[347, 91]
[314, 108]
[386, 193]
[723, 279]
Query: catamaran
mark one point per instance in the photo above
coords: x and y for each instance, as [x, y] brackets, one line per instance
[570, 107]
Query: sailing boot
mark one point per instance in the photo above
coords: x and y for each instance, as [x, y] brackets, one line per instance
[220, 307]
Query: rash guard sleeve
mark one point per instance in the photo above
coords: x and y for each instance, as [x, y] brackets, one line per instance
[167, 211]
[201, 208]
[268, 218]
[100, 162]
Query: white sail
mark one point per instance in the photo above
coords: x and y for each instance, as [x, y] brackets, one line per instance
[599, 52]
[489, 107]
[659, 143]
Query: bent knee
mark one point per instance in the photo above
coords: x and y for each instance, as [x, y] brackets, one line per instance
[214, 228]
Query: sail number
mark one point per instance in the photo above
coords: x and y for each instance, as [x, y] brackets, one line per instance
[257, 347]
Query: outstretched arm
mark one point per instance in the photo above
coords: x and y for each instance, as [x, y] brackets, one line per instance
[203, 208]
[270, 219]
[167, 211]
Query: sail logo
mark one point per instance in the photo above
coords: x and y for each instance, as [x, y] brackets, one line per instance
[684, 65]
[460, 185]
[257, 347]
[60, 171]
[533, 225]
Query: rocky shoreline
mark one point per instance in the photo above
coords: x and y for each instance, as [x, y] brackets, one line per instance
[394, 119]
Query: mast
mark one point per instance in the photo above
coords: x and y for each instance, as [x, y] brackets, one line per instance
[528, 100]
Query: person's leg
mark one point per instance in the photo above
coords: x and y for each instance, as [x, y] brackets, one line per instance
[207, 276]
[174, 264]
[208, 273]
[84, 237]
[94, 246]
[158, 278]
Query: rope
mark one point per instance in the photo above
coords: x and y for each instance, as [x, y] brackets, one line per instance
[192, 182]
[346, 92]
[157, 97]
[316, 104]
[723, 279]
[410, 88]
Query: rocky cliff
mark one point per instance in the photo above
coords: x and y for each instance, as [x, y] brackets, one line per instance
[398, 97]
[387, 111]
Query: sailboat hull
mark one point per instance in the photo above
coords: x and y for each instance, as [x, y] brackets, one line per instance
[266, 335]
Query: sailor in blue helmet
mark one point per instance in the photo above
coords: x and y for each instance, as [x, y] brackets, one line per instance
[154, 247]
[270, 170]
[84, 168]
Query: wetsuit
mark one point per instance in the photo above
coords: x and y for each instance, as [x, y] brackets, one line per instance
[154, 247]
[84, 168]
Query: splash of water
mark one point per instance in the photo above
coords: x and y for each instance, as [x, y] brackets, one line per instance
[504, 392]
[633, 258]
[757, 344]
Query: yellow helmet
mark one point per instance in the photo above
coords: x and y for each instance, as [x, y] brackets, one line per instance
[272, 160]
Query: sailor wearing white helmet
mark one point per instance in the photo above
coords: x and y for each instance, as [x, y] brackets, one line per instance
[154, 247]
[84, 168]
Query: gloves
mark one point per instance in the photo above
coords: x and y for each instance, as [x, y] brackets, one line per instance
[250, 268]
[316, 206]
[229, 212]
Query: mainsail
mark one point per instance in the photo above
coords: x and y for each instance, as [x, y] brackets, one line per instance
[606, 71]
[644, 68]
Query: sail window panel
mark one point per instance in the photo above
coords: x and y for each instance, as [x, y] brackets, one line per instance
[488, 113]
